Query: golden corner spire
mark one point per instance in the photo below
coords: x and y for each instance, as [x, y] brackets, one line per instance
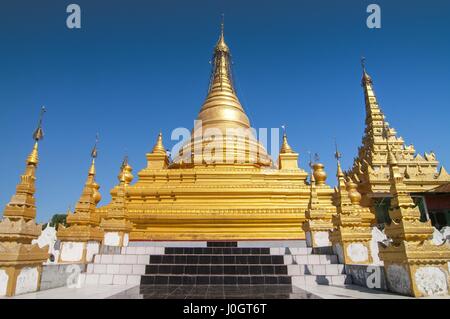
[125, 175]
[285, 147]
[338, 156]
[159, 147]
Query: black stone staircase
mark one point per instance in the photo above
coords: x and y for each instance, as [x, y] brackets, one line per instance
[220, 263]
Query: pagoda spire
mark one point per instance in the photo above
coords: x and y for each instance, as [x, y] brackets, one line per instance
[285, 147]
[222, 111]
[374, 116]
[159, 147]
[82, 235]
[22, 204]
[18, 229]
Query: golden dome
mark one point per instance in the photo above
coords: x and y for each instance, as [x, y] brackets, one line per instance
[319, 173]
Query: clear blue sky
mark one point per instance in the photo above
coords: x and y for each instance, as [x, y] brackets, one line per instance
[137, 67]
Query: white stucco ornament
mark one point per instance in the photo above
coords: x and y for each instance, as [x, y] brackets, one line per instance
[3, 282]
[48, 237]
[357, 252]
[438, 238]
[446, 233]
[27, 281]
[72, 251]
[398, 279]
[377, 237]
[431, 281]
[321, 239]
[112, 239]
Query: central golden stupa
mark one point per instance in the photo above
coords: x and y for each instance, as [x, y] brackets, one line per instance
[241, 196]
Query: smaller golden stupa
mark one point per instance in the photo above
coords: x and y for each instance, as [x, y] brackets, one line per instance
[20, 260]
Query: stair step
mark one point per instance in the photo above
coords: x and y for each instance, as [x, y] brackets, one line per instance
[216, 259]
[216, 251]
[122, 259]
[217, 269]
[116, 269]
[330, 269]
[214, 280]
[222, 244]
[311, 259]
[314, 280]
[290, 251]
[107, 279]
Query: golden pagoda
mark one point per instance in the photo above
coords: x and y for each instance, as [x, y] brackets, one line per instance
[20, 260]
[320, 210]
[222, 185]
[414, 264]
[115, 224]
[349, 236]
[81, 239]
[370, 168]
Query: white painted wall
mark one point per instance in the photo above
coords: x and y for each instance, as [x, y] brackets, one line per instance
[92, 248]
[72, 251]
[27, 281]
[3, 282]
[111, 239]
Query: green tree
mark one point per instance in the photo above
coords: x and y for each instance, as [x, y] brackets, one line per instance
[58, 219]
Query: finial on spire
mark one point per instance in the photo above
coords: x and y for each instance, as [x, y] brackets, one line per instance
[363, 63]
[283, 127]
[310, 163]
[125, 161]
[338, 156]
[94, 156]
[221, 45]
[94, 150]
[316, 158]
[39, 132]
[366, 77]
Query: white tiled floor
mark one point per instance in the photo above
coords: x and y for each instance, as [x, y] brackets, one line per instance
[92, 292]
[105, 291]
[354, 292]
